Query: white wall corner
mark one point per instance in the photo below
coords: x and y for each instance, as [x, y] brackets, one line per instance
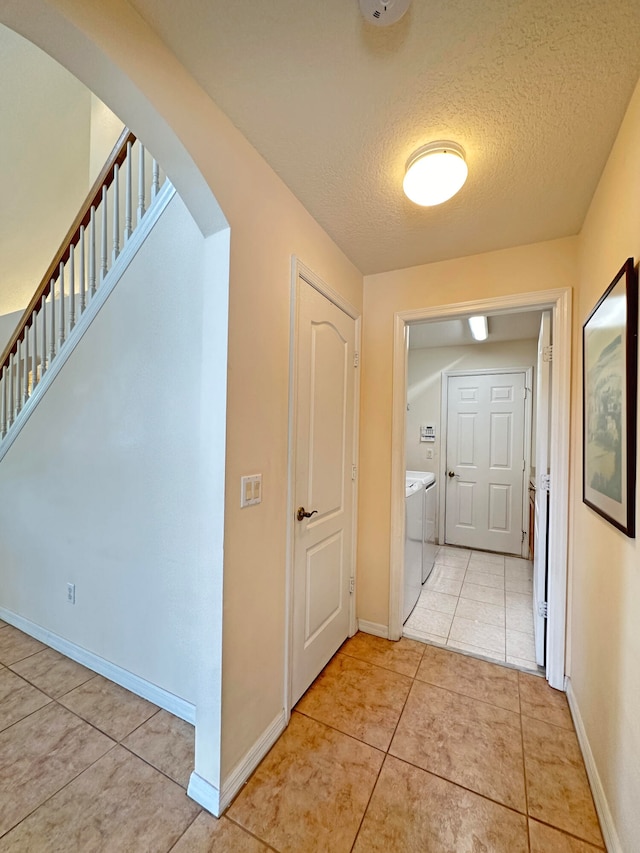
[374, 628]
[611, 839]
[205, 794]
[248, 763]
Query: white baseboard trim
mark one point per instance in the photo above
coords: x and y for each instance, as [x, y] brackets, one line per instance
[373, 628]
[204, 794]
[607, 825]
[140, 686]
[248, 763]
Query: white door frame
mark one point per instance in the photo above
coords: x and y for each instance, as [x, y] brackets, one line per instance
[558, 301]
[300, 271]
[528, 411]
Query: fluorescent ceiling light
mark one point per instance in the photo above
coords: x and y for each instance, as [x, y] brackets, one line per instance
[435, 173]
[479, 328]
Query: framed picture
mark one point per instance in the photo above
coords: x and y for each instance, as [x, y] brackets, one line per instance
[610, 371]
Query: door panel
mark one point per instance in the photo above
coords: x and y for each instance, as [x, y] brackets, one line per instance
[485, 456]
[540, 568]
[324, 454]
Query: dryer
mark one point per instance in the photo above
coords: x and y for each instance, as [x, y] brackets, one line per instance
[413, 540]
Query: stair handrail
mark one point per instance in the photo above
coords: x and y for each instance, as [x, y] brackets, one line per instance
[104, 179]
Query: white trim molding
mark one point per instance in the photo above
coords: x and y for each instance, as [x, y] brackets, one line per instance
[248, 763]
[374, 628]
[607, 825]
[559, 302]
[217, 801]
[134, 683]
[204, 794]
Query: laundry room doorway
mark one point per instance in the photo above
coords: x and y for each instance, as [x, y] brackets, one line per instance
[419, 444]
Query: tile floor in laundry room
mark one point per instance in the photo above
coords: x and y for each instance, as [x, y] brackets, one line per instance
[478, 602]
[396, 747]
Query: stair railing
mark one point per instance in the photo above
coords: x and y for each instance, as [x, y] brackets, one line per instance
[101, 229]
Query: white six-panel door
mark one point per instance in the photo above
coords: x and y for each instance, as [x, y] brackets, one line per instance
[485, 461]
[323, 484]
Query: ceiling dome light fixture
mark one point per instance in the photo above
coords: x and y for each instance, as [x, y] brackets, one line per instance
[383, 13]
[435, 173]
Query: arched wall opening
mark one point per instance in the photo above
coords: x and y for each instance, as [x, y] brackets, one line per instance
[89, 50]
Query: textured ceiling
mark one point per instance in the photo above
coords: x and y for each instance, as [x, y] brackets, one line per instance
[534, 90]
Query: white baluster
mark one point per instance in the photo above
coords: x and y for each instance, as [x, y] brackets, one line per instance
[103, 241]
[52, 343]
[116, 213]
[43, 320]
[3, 400]
[82, 283]
[18, 400]
[34, 358]
[155, 183]
[92, 253]
[128, 230]
[62, 329]
[27, 360]
[11, 409]
[72, 287]
[140, 182]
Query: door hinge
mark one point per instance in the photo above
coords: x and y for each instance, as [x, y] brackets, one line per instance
[356, 359]
[352, 585]
[545, 482]
[543, 610]
[524, 392]
[547, 353]
[524, 464]
[354, 472]
[524, 535]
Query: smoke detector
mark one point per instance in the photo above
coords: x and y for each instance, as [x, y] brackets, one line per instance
[382, 13]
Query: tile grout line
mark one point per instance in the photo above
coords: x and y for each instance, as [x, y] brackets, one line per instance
[524, 769]
[386, 752]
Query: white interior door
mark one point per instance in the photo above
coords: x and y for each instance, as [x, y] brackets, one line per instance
[485, 461]
[323, 484]
[541, 501]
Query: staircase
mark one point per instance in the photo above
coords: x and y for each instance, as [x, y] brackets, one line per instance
[109, 228]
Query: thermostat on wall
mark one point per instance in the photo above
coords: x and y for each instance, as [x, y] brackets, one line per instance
[427, 433]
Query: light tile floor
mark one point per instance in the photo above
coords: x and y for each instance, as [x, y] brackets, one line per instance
[396, 747]
[478, 602]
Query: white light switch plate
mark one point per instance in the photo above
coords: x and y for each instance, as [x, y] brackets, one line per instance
[250, 490]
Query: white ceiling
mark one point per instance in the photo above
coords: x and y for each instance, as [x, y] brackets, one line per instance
[534, 90]
[523, 325]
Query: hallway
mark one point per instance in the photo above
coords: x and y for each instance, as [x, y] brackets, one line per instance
[396, 747]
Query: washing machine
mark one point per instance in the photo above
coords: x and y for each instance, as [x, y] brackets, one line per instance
[429, 547]
[413, 543]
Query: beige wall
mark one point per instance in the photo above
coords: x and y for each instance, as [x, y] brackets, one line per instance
[44, 162]
[268, 225]
[541, 266]
[605, 564]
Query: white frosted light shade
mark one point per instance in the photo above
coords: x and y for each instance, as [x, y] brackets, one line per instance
[435, 173]
[479, 328]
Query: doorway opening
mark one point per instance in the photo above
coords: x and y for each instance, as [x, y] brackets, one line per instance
[503, 310]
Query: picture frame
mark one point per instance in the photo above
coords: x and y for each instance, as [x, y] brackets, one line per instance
[609, 414]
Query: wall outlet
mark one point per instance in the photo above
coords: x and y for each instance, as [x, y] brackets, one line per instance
[429, 452]
[251, 490]
[71, 593]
